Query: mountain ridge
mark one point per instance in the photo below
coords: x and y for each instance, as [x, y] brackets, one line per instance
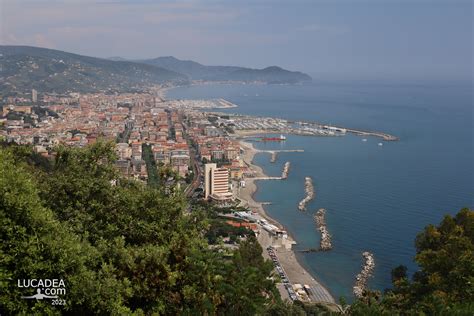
[197, 71]
[27, 67]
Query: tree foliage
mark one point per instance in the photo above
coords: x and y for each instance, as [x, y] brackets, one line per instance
[121, 247]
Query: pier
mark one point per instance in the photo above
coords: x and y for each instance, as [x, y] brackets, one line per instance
[266, 178]
[363, 276]
[325, 243]
[284, 174]
[274, 153]
[309, 189]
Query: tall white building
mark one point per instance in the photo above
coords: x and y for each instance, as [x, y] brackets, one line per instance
[216, 182]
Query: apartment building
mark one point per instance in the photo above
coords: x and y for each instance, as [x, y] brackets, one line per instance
[216, 182]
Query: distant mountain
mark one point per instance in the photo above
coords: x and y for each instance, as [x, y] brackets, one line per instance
[24, 68]
[117, 58]
[197, 71]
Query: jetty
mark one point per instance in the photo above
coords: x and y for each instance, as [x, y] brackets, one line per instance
[362, 278]
[384, 136]
[309, 189]
[266, 178]
[279, 151]
[286, 170]
[319, 218]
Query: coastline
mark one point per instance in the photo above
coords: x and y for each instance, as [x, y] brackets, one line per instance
[288, 259]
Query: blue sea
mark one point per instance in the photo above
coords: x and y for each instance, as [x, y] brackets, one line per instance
[377, 197]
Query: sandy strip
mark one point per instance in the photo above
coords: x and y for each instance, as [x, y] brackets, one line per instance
[295, 271]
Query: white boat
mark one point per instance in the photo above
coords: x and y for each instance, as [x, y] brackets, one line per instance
[380, 144]
[364, 139]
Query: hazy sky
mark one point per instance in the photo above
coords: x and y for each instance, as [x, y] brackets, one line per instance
[391, 38]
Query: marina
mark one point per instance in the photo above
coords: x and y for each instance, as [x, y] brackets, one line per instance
[251, 126]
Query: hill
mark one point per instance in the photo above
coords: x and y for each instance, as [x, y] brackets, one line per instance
[48, 70]
[197, 71]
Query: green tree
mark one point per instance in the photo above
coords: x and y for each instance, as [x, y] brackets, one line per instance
[122, 247]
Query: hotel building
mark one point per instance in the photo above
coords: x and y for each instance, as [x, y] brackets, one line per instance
[216, 182]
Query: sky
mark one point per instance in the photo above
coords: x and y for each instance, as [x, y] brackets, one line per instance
[334, 38]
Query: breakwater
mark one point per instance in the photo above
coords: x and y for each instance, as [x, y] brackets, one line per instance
[309, 189]
[325, 243]
[363, 276]
[286, 170]
[384, 136]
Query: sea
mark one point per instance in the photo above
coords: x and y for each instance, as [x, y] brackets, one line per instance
[378, 198]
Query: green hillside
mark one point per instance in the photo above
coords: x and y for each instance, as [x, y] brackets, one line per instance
[47, 70]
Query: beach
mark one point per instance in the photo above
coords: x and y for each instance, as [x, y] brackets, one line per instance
[296, 273]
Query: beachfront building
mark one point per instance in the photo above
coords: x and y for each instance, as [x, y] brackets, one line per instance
[216, 183]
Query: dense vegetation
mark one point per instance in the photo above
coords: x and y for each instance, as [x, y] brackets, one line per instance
[120, 246]
[126, 248]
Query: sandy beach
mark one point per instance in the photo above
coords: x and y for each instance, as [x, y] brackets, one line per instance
[294, 270]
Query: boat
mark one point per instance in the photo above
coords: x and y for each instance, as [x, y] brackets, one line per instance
[380, 144]
[274, 139]
[364, 139]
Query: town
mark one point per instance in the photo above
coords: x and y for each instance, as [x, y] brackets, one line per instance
[149, 132]
[179, 143]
